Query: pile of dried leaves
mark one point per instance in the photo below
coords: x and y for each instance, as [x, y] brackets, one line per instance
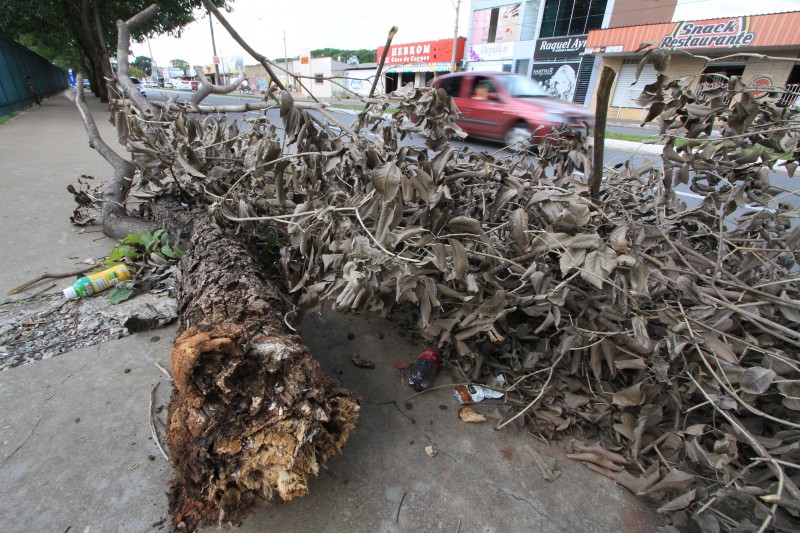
[664, 338]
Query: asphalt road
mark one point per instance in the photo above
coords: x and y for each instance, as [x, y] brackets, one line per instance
[611, 156]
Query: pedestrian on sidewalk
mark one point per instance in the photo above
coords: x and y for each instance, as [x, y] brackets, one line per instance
[32, 90]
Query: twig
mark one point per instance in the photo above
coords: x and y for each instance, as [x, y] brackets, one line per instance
[164, 371]
[742, 432]
[55, 275]
[538, 397]
[397, 516]
[744, 404]
[153, 426]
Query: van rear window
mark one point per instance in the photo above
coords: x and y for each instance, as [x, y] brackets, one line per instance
[451, 86]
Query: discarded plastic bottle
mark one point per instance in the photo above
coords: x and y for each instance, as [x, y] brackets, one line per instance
[97, 282]
[424, 369]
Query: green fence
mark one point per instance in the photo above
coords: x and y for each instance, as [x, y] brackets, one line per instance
[17, 63]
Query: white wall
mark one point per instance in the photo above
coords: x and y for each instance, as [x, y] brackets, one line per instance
[360, 81]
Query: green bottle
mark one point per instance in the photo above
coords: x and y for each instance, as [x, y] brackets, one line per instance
[97, 282]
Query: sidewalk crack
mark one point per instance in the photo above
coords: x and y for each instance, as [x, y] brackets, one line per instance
[18, 448]
[475, 475]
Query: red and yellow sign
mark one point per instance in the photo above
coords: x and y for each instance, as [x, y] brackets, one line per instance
[775, 30]
[760, 85]
[423, 52]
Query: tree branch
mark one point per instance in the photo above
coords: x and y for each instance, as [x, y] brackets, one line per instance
[238, 38]
[207, 88]
[117, 224]
[124, 30]
[600, 116]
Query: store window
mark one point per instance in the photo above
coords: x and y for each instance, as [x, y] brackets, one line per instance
[496, 25]
[530, 20]
[572, 17]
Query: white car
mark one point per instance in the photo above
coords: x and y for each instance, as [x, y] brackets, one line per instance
[184, 85]
[138, 85]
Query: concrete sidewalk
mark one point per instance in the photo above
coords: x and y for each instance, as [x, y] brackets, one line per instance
[75, 447]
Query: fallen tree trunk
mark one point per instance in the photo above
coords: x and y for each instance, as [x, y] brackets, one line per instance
[252, 415]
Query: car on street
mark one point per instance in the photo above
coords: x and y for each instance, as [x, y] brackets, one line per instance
[149, 85]
[195, 85]
[86, 83]
[184, 85]
[508, 107]
[138, 85]
[168, 85]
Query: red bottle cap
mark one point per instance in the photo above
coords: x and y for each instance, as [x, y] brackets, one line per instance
[431, 355]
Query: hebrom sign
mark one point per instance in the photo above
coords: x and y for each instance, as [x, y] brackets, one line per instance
[560, 47]
[422, 52]
[718, 33]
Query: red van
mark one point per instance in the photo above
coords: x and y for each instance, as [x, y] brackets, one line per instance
[507, 107]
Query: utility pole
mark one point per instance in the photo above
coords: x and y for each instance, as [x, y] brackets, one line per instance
[153, 71]
[285, 60]
[455, 39]
[214, 47]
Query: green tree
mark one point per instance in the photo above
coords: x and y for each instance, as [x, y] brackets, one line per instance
[136, 72]
[82, 34]
[180, 63]
[143, 63]
[364, 55]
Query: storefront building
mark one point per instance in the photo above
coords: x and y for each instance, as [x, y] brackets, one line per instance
[418, 63]
[543, 39]
[774, 35]
[502, 35]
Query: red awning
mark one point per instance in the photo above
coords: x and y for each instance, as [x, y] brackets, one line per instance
[757, 31]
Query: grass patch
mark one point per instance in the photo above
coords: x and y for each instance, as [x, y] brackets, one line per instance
[678, 142]
[6, 118]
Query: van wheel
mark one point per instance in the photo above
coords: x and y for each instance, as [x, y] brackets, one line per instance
[518, 137]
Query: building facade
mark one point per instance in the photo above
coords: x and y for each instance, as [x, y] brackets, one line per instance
[720, 39]
[419, 62]
[546, 39]
[323, 77]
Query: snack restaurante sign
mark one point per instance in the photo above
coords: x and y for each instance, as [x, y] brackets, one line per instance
[717, 33]
[774, 30]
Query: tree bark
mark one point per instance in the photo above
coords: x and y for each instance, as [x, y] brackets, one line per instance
[600, 116]
[252, 415]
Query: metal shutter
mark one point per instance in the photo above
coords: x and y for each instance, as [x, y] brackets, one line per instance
[521, 66]
[584, 75]
[626, 92]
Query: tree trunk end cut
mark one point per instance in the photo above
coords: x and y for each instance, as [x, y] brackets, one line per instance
[252, 415]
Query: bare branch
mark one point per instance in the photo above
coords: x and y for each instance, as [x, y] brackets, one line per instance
[392, 33]
[206, 87]
[116, 222]
[124, 30]
[238, 38]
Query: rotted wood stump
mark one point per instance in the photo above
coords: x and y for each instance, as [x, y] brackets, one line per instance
[252, 416]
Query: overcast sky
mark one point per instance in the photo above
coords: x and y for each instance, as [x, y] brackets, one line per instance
[354, 24]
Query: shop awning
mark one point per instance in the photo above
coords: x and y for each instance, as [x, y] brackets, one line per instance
[419, 67]
[777, 30]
